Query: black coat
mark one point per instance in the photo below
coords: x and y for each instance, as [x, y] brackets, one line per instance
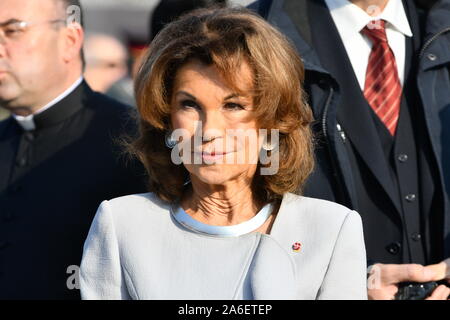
[338, 126]
[52, 181]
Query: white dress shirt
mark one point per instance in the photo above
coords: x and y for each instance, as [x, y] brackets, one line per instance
[27, 122]
[351, 19]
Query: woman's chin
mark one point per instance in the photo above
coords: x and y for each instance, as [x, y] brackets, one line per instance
[211, 174]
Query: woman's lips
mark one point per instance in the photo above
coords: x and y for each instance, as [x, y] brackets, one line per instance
[211, 156]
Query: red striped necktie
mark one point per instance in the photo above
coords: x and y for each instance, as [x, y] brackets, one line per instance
[382, 88]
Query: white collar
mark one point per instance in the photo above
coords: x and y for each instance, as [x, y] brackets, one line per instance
[222, 231]
[27, 122]
[354, 18]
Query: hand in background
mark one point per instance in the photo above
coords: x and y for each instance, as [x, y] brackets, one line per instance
[441, 270]
[384, 279]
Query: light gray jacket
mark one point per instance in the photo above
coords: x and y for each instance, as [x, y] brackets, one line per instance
[137, 250]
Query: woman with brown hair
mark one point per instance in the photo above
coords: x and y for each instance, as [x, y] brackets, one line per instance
[225, 137]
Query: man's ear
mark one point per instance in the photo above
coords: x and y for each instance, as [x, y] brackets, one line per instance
[73, 41]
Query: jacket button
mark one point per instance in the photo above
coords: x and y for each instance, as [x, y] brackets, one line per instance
[3, 244]
[431, 57]
[410, 197]
[403, 158]
[416, 236]
[394, 248]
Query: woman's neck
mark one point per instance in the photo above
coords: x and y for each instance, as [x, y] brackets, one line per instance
[222, 205]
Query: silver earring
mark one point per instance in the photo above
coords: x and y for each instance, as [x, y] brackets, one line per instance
[170, 142]
[268, 146]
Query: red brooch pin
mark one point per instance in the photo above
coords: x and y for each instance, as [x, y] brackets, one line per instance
[296, 246]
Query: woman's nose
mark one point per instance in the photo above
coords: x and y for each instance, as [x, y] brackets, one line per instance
[213, 126]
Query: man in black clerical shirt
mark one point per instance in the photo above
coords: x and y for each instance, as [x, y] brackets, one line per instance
[59, 151]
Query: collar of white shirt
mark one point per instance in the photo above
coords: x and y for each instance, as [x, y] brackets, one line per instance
[354, 19]
[27, 122]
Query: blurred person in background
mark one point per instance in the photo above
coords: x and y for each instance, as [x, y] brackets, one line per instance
[169, 10]
[165, 12]
[106, 61]
[377, 75]
[58, 154]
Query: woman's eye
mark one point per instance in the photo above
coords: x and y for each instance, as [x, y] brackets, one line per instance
[12, 32]
[188, 104]
[234, 106]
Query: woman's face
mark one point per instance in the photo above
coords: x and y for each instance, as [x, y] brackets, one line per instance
[220, 133]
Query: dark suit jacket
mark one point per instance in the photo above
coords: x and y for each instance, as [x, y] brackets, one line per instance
[347, 135]
[52, 181]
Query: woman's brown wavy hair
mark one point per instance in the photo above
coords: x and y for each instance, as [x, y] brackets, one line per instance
[225, 38]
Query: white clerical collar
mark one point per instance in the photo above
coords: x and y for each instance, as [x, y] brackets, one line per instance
[27, 122]
[355, 19]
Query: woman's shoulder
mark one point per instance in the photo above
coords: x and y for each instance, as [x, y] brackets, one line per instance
[138, 199]
[319, 206]
[328, 214]
[136, 206]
